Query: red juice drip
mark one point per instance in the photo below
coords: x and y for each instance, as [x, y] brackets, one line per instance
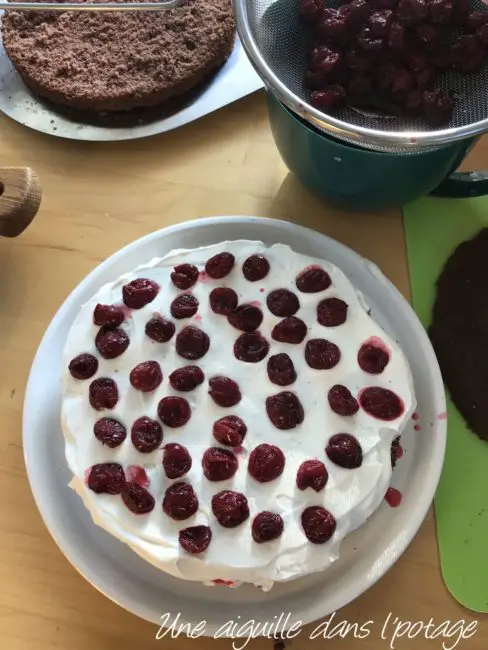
[127, 311]
[376, 342]
[137, 474]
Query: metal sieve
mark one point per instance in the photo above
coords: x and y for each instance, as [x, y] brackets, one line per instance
[276, 41]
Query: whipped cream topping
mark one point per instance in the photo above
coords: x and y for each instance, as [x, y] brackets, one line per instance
[352, 496]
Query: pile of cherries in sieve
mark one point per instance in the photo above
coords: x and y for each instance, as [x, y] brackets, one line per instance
[388, 54]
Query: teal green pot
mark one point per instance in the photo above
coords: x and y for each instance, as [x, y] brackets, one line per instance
[362, 179]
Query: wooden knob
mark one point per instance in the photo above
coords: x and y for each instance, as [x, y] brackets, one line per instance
[20, 197]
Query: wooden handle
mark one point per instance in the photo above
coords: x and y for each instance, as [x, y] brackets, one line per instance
[20, 197]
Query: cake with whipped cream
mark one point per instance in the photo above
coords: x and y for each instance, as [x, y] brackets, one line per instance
[229, 412]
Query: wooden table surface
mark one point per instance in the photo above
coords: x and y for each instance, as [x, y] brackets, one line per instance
[97, 198]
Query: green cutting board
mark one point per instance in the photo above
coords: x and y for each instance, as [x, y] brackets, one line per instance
[433, 228]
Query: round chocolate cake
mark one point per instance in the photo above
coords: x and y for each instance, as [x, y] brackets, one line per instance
[119, 61]
[459, 330]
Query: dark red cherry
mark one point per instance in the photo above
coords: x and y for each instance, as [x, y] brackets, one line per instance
[318, 524]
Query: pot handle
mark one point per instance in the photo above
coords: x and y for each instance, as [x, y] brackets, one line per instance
[463, 185]
[20, 198]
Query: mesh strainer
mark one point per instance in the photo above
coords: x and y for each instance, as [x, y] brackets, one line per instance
[276, 40]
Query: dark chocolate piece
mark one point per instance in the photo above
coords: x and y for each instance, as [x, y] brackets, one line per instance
[459, 330]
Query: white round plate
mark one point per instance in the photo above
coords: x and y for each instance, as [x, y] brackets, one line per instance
[134, 584]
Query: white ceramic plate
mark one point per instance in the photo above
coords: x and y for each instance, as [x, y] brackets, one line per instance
[234, 80]
[134, 584]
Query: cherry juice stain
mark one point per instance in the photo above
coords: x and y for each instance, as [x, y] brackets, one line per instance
[197, 318]
[393, 497]
[137, 474]
[203, 276]
[126, 310]
[376, 342]
[417, 427]
[415, 416]
[442, 416]
[226, 583]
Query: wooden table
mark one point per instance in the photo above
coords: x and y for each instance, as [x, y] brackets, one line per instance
[97, 198]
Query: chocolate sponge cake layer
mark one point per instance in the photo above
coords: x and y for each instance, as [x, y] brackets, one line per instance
[136, 116]
[114, 61]
[459, 330]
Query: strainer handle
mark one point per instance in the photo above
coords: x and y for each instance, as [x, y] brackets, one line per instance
[159, 5]
[463, 185]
